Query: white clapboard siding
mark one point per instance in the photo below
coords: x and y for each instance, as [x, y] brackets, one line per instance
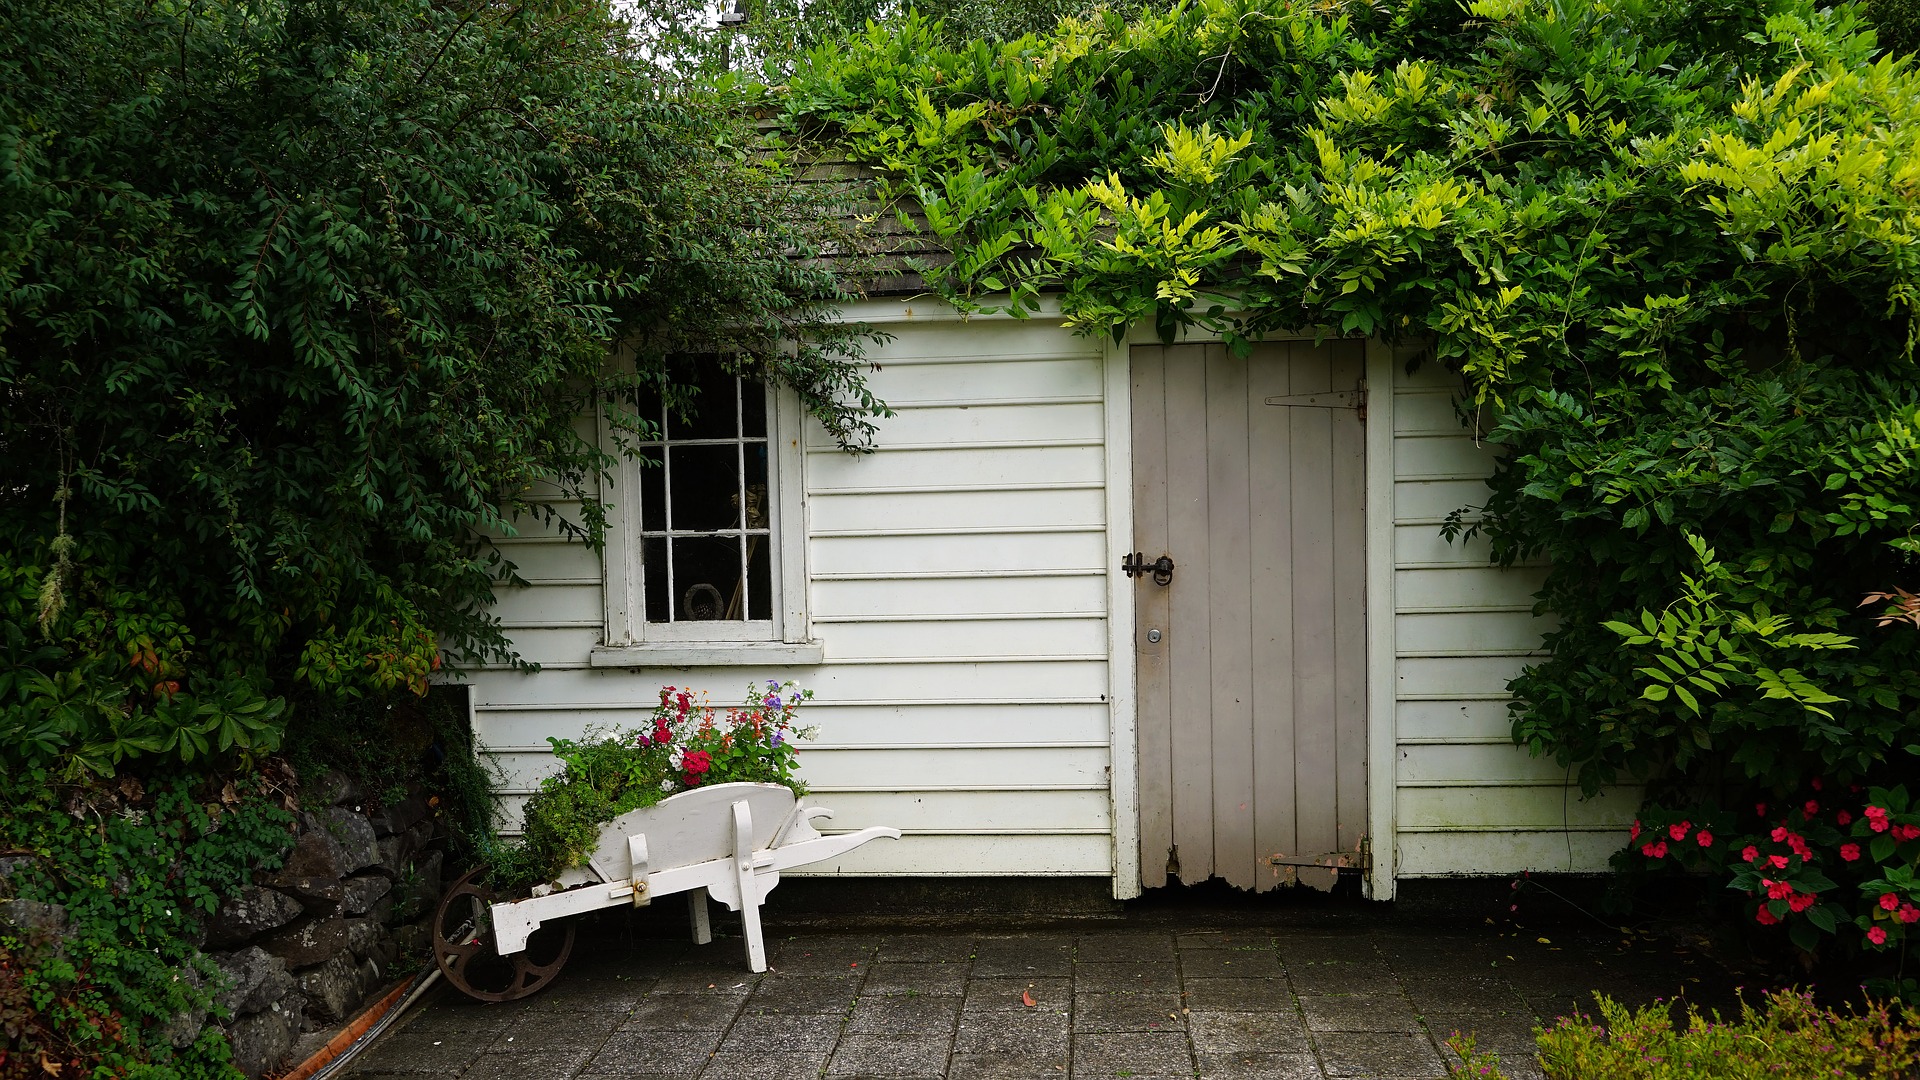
[957, 587]
[1466, 799]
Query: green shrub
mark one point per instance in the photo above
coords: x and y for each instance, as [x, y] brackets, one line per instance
[1786, 1036]
[1898, 24]
[687, 744]
[137, 870]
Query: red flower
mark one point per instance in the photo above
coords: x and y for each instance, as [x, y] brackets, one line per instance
[1749, 853]
[1904, 833]
[1679, 832]
[1765, 917]
[1816, 783]
[1843, 818]
[1654, 851]
[1780, 834]
[1801, 902]
[1811, 808]
[1889, 902]
[1778, 890]
[1877, 818]
[1876, 935]
[1779, 861]
[1909, 913]
[1704, 838]
[1634, 833]
[1760, 808]
[1850, 852]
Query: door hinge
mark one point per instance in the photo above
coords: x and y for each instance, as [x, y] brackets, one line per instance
[1360, 858]
[1329, 399]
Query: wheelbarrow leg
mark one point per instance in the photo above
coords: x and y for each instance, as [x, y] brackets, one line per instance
[702, 921]
[746, 881]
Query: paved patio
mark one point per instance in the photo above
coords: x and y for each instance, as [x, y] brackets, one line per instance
[1321, 994]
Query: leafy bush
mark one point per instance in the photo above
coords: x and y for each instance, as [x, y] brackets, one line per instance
[1669, 245]
[136, 870]
[688, 744]
[299, 300]
[1787, 1036]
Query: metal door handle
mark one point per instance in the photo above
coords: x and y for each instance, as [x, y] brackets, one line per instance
[1136, 565]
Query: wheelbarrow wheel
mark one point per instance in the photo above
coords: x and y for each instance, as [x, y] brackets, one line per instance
[463, 946]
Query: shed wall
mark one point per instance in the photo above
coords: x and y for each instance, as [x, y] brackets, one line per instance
[1466, 799]
[957, 584]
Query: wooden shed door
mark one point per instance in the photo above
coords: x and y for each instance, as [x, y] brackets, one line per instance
[1249, 475]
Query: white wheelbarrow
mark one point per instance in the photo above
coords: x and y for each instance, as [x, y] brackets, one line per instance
[728, 841]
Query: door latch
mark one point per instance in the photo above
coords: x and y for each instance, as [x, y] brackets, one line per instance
[1136, 565]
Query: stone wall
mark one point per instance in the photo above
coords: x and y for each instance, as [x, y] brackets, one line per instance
[304, 946]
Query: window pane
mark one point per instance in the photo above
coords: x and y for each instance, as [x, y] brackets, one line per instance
[653, 492]
[753, 409]
[759, 578]
[705, 481]
[714, 414]
[653, 554]
[706, 576]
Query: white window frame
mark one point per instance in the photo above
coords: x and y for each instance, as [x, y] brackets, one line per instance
[784, 638]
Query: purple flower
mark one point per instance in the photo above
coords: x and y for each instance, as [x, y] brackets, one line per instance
[773, 701]
[779, 737]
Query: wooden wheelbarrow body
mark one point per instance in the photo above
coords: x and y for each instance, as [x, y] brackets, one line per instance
[728, 841]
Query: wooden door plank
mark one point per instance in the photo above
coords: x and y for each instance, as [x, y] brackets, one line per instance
[1151, 678]
[1349, 519]
[1315, 760]
[1270, 531]
[1230, 659]
[1187, 631]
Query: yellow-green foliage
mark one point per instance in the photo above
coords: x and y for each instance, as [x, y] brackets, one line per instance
[1787, 1036]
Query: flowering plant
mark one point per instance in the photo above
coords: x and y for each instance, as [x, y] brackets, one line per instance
[1832, 862]
[686, 743]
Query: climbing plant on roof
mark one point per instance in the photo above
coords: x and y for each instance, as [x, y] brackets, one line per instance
[1669, 245]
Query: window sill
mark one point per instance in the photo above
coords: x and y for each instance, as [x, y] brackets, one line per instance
[707, 654]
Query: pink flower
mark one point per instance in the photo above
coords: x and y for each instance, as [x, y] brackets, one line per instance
[1811, 808]
[1766, 917]
[1877, 818]
[1850, 852]
[1780, 834]
[1654, 851]
[1843, 818]
[1749, 853]
[1904, 833]
[1889, 902]
[1779, 890]
[1634, 833]
[1704, 838]
[1876, 935]
[1801, 902]
[1679, 832]
[1909, 913]
[1779, 861]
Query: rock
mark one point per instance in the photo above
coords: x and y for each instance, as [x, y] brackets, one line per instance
[317, 853]
[383, 954]
[360, 893]
[334, 988]
[333, 788]
[401, 816]
[362, 935]
[29, 917]
[359, 847]
[420, 889]
[261, 1041]
[248, 914]
[310, 943]
[399, 849]
[184, 1028]
[415, 941]
[257, 978]
[382, 910]
[9, 866]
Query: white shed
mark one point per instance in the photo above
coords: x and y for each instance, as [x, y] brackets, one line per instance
[989, 680]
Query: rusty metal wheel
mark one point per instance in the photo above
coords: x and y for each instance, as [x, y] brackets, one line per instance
[463, 946]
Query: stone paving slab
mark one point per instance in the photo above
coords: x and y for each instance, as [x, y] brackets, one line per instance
[1355, 999]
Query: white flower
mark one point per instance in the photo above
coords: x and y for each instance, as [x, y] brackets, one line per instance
[676, 756]
[667, 784]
